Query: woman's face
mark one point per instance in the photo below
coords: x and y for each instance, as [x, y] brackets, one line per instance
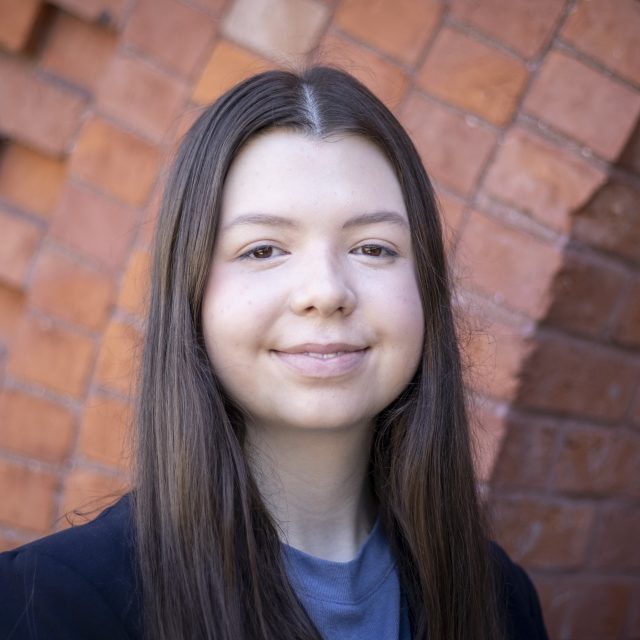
[312, 315]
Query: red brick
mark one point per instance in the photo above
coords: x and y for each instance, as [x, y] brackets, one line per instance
[103, 432]
[227, 65]
[584, 294]
[106, 12]
[577, 379]
[608, 32]
[522, 25]
[77, 50]
[599, 610]
[118, 357]
[53, 357]
[453, 149]
[135, 286]
[398, 28]
[498, 260]
[543, 535]
[115, 161]
[18, 243]
[17, 20]
[94, 225]
[597, 111]
[68, 290]
[527, 454]
[30, 180]
[589, 462]
[35, 427]
[473, 76]
[387, 80]
[27, 497]
[494, 353]
[141, 97]
[556, 594]
[12, 307]
[628, 328]
[277, 29]
[610, 221]
[545, 181]
[630, 157]
[176, 35]
[36, 111]
[89, 492]
[616, 545]
[488, 429]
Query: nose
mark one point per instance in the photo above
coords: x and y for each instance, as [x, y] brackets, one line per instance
[322, 286]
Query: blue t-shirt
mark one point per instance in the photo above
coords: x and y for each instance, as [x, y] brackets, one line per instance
[355, 600]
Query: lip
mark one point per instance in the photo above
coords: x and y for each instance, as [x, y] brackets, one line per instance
[307, 359]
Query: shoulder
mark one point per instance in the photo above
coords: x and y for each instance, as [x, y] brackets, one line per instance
[517, 599]
[77, 583]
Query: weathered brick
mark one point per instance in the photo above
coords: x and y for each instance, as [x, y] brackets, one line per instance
[610, 221]
[36, 111]
[141, 96]
[488, 429]
[27, 497]
[577, 379]
[227, 65]
[77, 50]
[524, 26]
[493, 353]
[109, 13]
[387, 80]
[541, 534]
[541, 179]
[117, 162]
[176, 35]
[17, 21]
[398, 28]
[599, 610]
[615, 546]
[12, 307]
[88, 492]
[584, 293]
[29, 179]
[597, 111]
[53, 357]
[628, 328]
[35, 427]
[498, 259]
[71, 291]
[630, 157]
[276, 29]
[451, 210]
[608, 32]
[473, 76]
[94, 225]
[135, 285]
[18, 242]
[103, 433]
[453, 149]
[118, 357]
[527, 454]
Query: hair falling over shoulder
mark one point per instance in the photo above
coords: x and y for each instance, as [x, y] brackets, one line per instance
[209, 556]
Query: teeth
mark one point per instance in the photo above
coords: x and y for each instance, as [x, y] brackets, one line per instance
[324, 356]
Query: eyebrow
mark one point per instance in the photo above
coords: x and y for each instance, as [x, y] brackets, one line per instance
[362, 219]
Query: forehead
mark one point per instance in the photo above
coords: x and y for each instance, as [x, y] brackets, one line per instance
[282, 171]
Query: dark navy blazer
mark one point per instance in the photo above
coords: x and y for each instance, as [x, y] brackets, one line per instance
[80, 584]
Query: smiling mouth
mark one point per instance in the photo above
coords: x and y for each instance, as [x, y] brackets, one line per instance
[323, 361]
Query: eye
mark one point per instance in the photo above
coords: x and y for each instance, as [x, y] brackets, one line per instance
[262, 252]
[375, 251]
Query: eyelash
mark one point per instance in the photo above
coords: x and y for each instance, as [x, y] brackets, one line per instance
[385, 252]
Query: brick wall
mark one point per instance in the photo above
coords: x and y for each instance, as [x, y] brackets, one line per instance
[526, 116]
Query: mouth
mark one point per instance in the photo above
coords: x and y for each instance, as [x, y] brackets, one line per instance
[323, 360]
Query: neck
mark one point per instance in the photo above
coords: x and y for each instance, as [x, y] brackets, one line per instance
[314, 483]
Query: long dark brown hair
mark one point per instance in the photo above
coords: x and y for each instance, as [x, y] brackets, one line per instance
[208, 551]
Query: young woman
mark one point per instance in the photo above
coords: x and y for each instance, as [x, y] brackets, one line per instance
[303, 460]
